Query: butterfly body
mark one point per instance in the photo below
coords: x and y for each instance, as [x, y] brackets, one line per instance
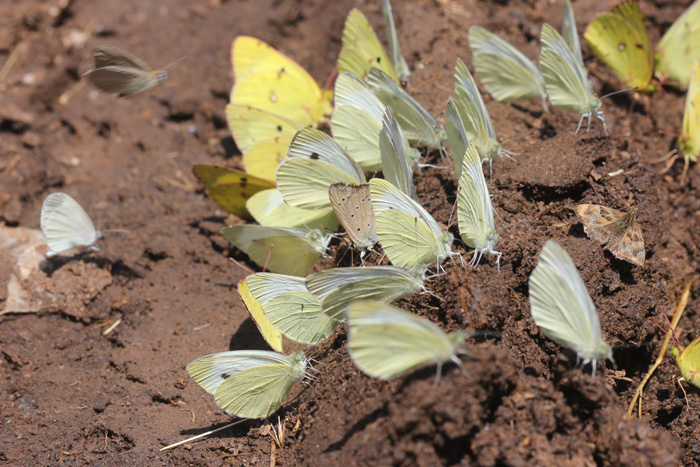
[616, 230]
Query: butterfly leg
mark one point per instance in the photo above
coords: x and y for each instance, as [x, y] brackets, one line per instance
[437, 377]
[580, 121]
[460, 365]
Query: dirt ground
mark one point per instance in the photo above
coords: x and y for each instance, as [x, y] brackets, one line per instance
[73, 396]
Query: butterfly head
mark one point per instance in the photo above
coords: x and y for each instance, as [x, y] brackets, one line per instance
[494, 150]
[161, 76]
[299, 362]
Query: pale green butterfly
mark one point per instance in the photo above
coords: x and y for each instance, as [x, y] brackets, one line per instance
[475, 116]
[456, 136]
[117, 71]
[396, 167]
[314, 162]
[290, 307]
[562, 307]
[474, 209]
[569, 32]
[249, 383]
[283, 250]
[399, 62]
[268, 208]
[336, 288]
[566, 78]
[66, 225]
[507, 74]
[409, 235]
[357, 122]
[387, 342]
[417, 123]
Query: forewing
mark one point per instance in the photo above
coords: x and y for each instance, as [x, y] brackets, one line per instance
[407, 241]
[393, 147]
[268, 208]
[65, 224]
[298, 315]
[271, 335]
[361, 49]
[474, 211]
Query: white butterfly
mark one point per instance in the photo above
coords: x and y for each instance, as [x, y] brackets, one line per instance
[338, 287]
[474, 209]
[409, 235]
[66, 225]
[249, 383]
[562, 307]
[396, 166]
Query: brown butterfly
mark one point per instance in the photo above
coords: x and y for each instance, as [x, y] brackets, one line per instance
[353, 206]
[117, 71]
[616, 230]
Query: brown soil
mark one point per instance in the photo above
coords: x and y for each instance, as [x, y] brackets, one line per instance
[70, 395]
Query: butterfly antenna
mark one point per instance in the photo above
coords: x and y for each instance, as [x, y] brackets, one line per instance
[245, 268]
[173, 63]
[124, 231]
[619, 92]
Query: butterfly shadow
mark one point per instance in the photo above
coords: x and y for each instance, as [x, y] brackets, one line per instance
[360, 425]
[247, 337]
[116, 268]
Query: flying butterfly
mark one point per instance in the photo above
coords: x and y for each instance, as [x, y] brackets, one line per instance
[230, 189]
[616, 230]
[387, 342]
[506, 73]
[290, 308]
[249, 383]
[474, 209]
[66, 225]
[283, 250]
[353, 207]
[562, 307]
[337, 288]
[118, 72]
[409, 235]
[620, 39]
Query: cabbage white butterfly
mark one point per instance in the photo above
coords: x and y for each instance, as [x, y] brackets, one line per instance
[336, 288]
[117, 71]
[357, 122]
[249, 383]
[353, 207]
[474, 209]
[456, 136]
[566, 78]
[475, 116]
[267, 207]
[290, 308]
[394, 151]
[397, 59]
[416, 122]
[387, 342]
[562, 308]
[66, 225]
[507, 74]
[409, 235]
[315, 162]
[285, 250]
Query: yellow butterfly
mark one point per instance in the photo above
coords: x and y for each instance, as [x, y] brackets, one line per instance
[230, 188]
[362, 49]
[271, 99]
[688, 361]
[620, 39]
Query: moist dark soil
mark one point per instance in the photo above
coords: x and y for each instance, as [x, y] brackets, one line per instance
[71, 395]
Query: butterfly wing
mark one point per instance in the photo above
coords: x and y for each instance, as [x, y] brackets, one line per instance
[271, 335]
[562, 307]
[507, 74]
[353, 207]
[601, 222]
[689, 142]
[410, 243]
[621, 41]
[689, 362]
[394, 148]
[298, 315]
[386, 342]
[397, 59]
[679, 46]
[315, 145]
[65, 224]
[267, 207]
[456, 136]
[631, 246]
[474, 210]
[336, 288]
[386, 196]
[261, 136]
[229, 188]
[110, 55]
[286, 251]
[357, 132]
[416, 122]
[569, 31]
[362, 50]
